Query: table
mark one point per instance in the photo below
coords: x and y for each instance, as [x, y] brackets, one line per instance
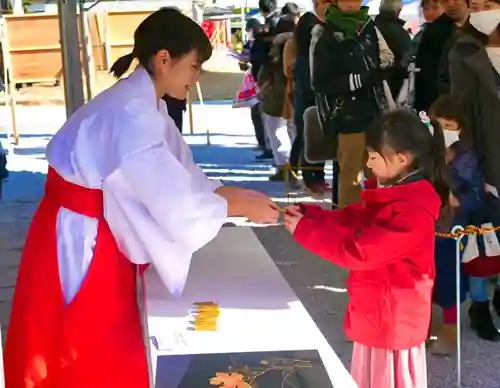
[259, 311]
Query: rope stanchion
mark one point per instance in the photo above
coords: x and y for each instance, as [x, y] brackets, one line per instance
[458, 232]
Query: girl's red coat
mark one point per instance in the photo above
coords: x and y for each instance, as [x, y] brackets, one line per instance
[387, 243]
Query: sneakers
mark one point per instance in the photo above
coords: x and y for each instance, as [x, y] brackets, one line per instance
[446, 343]
[481, 321]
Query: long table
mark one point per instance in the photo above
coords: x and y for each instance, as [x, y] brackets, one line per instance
[259, 313]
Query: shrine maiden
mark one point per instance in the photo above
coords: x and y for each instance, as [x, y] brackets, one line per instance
[122, 192]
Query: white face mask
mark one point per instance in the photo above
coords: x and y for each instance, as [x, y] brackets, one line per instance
[450, 137]
[250, 37]
[485, 21]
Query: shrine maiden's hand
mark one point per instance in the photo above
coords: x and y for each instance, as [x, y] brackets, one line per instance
[292, 217]
[259, 208]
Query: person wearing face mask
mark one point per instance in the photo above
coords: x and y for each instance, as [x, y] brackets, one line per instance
[475, 77]
[466, 201]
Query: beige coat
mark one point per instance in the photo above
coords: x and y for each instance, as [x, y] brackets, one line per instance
[289, 56]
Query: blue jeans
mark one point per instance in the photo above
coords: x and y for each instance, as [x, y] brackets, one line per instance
[478, 289]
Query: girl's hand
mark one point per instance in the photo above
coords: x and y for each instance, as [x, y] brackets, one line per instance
[292, 217]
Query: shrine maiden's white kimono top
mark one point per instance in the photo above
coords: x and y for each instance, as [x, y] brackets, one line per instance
[159, 204]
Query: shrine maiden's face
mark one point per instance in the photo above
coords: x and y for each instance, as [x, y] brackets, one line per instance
[174, 76]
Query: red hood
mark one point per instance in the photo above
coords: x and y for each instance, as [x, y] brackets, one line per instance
[419, 192]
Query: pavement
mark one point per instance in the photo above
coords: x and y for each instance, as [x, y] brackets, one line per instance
[227, 154]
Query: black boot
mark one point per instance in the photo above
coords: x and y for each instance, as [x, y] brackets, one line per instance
[496, 300]
[482, 322]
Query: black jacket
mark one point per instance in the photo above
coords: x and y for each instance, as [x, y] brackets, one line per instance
[399, 41]
[259, 52]
[476, 83]
[432, 48]
[345, 76]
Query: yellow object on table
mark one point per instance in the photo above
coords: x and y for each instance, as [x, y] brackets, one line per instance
[205, 316]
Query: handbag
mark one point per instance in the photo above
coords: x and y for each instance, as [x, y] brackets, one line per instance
[319, 145]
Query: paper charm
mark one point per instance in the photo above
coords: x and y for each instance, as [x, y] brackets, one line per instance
[471, 250]
[205, 316]
[491, 244]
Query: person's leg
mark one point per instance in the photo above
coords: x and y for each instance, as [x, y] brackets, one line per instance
[410, 368]
[351, 157]
[481, 320]
[372, 367]
[496, 296]
[258, 126]
[277, 133]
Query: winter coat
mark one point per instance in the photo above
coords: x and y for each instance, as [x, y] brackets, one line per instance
[387, 243]
[346, 104]
[289, 57]
[431, 50]
[272, 79]
[474, 80]
[399, 41]
[261, 47]
[468, 187]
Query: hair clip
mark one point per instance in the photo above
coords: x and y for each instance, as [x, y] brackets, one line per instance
[424, 117]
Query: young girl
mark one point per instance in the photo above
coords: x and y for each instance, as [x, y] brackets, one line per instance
[467, 186]
[122, 191]
[387, 243]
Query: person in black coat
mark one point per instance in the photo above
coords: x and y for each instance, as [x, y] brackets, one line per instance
[432, 54]
[398, 39]
[347, 78]
[303, 98]
[176, 109]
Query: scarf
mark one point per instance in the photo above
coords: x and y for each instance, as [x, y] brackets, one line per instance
[348, 23]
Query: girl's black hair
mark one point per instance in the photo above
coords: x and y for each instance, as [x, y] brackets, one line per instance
[303, 32]
[166, 29]
[448, 107]
[403, 131]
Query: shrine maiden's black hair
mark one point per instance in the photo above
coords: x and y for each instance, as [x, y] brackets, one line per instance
[166, 29]
[402, 131]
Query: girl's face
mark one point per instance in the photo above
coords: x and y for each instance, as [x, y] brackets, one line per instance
[451, 131]
[175, 76]
[388, 167]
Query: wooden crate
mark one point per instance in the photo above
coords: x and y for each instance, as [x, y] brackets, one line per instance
[120, 28]
[31, 53]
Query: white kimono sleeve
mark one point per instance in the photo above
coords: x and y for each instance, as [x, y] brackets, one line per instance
[160, 212]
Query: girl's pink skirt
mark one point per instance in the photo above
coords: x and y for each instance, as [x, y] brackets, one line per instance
[381, 368]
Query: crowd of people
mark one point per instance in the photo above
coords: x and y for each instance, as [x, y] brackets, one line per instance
[335, 62]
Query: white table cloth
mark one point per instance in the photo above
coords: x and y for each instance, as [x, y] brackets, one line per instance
[259, 311]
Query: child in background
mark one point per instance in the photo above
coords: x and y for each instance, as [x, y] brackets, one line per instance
[387, 243]
[467, 186]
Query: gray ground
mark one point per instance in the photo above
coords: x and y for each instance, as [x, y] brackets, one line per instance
[303, 271]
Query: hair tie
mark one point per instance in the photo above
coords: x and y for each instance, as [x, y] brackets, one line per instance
[426, 121]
